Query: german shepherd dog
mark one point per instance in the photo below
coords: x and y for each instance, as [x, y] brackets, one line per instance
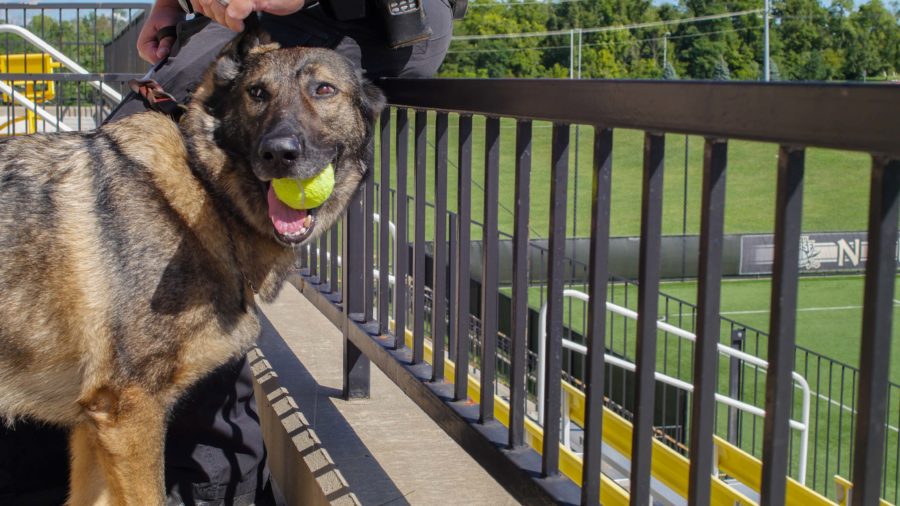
[130, 255]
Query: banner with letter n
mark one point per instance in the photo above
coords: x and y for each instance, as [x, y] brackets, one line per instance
[820, 252]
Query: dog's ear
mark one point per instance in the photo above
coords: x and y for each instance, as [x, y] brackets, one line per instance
[372, 101]
[252, 40]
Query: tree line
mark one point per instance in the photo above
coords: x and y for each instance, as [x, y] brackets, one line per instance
[808, 40]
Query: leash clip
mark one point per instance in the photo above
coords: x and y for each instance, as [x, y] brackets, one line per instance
[156, 98]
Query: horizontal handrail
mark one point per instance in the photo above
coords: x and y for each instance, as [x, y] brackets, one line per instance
[62, 58]
[783, 113]
[802, 426]
[20, 97]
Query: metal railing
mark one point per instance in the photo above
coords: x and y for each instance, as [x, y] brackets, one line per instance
[860, 118]
[73, 34]
[112, 95]
[801, 426]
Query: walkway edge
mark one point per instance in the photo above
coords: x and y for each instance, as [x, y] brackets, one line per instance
[301, 468]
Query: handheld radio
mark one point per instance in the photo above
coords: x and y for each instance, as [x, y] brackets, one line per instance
[404, 20]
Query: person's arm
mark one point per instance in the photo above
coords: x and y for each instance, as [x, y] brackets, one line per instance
[236, 11]
[163, 14]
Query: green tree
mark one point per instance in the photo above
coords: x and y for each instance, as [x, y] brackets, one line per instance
[513, 57]
[806, 31]
[809, 39]
[602, 63]
[871, 39]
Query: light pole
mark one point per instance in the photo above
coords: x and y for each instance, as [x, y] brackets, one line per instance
[766, 73]
[571, 54]
[666, 50]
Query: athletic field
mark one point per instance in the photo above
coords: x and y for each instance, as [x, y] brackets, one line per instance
[829, 321]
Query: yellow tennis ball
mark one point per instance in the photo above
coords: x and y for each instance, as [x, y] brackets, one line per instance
[305, 193]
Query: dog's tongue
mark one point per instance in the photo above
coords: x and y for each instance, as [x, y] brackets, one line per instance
[285, 219]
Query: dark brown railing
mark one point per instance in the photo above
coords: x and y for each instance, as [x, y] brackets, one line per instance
[795, 116]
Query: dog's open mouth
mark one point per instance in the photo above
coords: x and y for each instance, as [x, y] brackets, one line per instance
[291, 225]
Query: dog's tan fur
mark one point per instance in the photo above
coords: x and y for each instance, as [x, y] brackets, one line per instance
[130, 256]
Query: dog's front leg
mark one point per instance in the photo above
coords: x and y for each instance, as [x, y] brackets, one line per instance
[117, 453]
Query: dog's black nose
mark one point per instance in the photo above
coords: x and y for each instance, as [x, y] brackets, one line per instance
[280, 149]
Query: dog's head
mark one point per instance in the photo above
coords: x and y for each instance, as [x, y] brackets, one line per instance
[288, 113]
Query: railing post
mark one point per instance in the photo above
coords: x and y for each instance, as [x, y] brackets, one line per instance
[875, 350]
[599, 278]
[782, 325]
[323, 262]
[452, 247]
[463, 268]
[334, 250]
[401, 245]
[648, 304]
[439, 253]
[356, 364]
[706, 353]
[368, 246]
[555, 268]
[490, 264]
[421, 142]
[384, 213]
[518, 349]
[735, 385]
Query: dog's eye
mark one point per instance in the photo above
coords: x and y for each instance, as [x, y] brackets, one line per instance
[257, 92]
[325, 89]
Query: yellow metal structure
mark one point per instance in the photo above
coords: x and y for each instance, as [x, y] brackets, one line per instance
[36, 91]
[842, 489]
[668, 466]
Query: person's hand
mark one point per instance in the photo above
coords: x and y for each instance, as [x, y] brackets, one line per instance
[164, 13]
[234, 14]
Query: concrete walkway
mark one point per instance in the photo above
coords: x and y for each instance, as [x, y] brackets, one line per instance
[386, 448]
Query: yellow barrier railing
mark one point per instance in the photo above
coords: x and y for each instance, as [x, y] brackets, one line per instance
[843, 489]
[668, 466]
[672, 471]
[36, 91]
[748, 470]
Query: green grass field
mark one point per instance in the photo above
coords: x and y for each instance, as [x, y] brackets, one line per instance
[829, 315]
[836, 186]
[829, 312]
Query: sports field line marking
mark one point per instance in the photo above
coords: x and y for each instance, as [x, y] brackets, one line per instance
[764, 311]
[761, 311]
[846, 408]
[835, 308]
